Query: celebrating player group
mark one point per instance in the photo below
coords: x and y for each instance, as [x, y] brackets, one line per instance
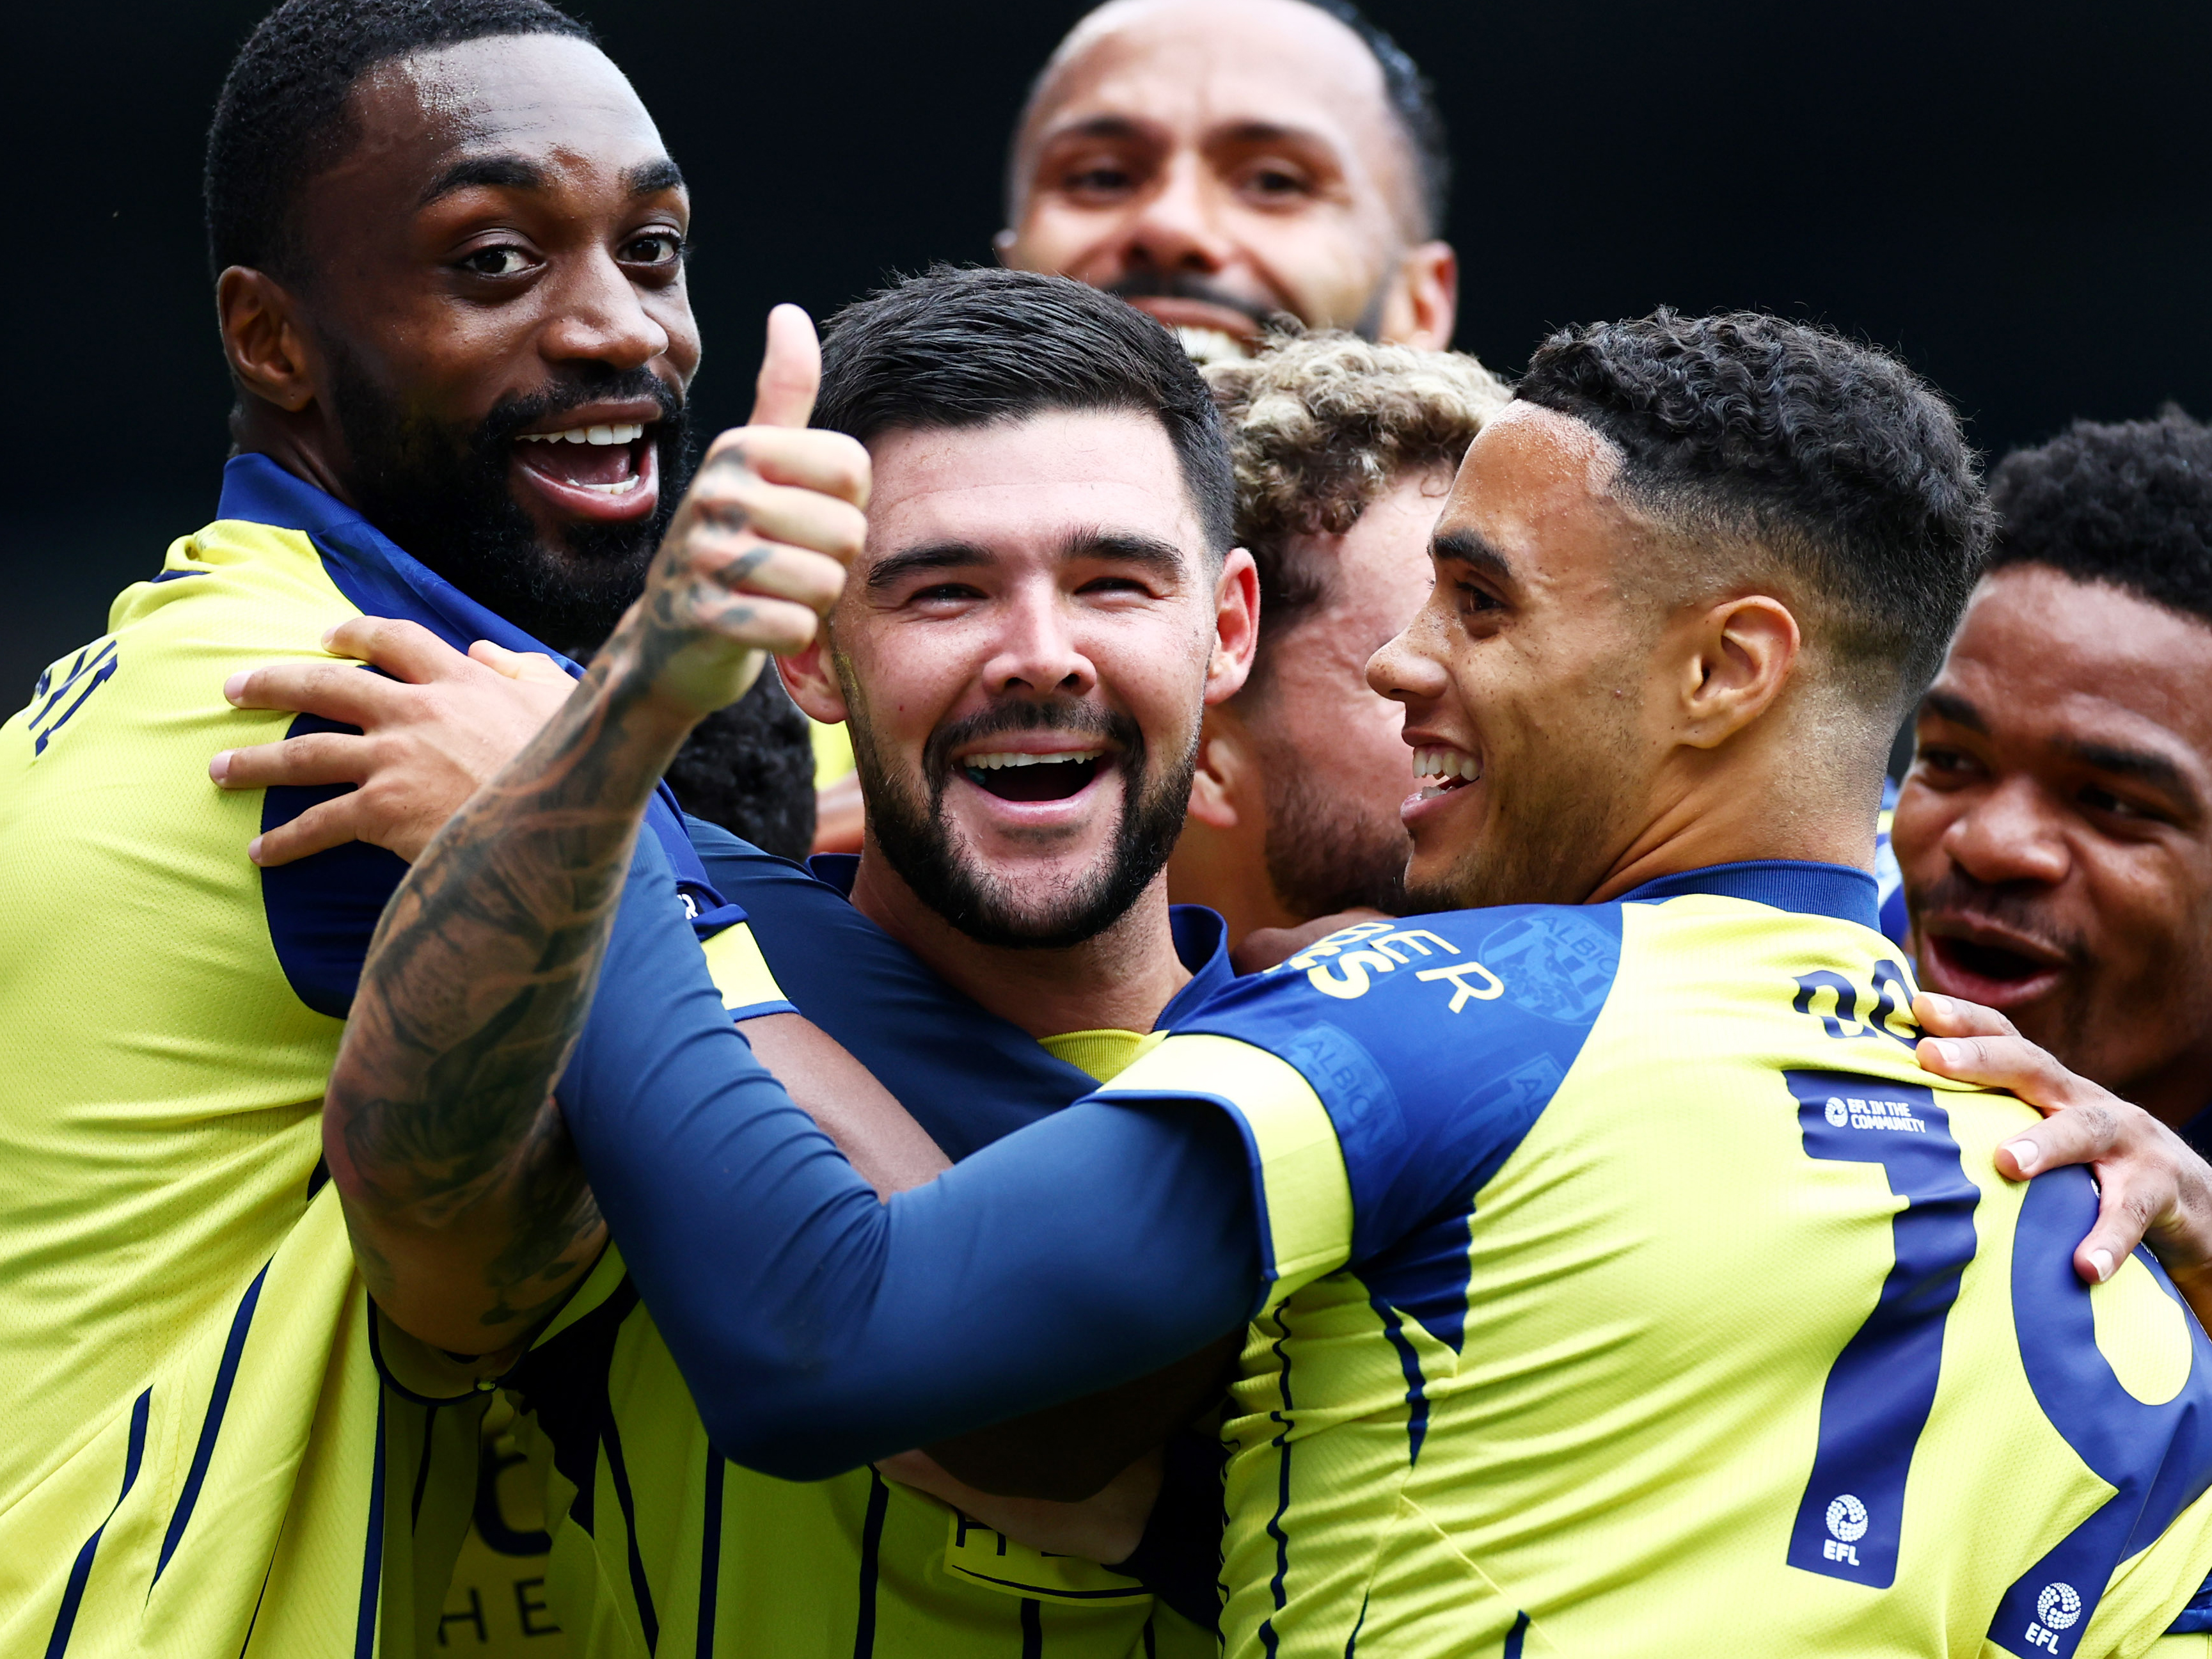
[1348, 1073]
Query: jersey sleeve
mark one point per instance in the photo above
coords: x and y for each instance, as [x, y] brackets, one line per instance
[1389, 1070]
[819, 1327]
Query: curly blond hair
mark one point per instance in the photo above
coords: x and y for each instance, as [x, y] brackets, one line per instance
[1321, 424]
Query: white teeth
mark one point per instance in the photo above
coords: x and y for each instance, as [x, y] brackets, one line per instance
[994, 763]
[627, 432]
[622, 489]
[1445, 763]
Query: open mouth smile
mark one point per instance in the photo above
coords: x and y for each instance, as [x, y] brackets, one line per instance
[600, 470]
[1988, 965]
[1015, 777]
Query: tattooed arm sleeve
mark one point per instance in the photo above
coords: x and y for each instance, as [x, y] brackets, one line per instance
[818, 1327]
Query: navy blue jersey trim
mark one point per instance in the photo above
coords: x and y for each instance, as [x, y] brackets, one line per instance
[1416, 1397]
[218, 1402]
[710, 1553]
[260, 1596]
[372, 1554]
[174, 576]
[872, 1545]
[1352, 1642]
[2195, 1619]
[1277, 1584]
[429, 1444]
[81, 1569]
[639, 1586]
[1820, 889]
[1516, 1636]
[1135, 1592]
[1032, 1629]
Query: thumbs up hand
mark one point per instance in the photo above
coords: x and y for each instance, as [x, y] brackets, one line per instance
[756, 554]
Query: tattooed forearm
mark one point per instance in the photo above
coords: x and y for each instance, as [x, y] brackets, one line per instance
[469, 1211]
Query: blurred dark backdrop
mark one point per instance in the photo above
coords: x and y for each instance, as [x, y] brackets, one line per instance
[2012, 195]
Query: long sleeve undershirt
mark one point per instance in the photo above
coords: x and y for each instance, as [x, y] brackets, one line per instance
[820, 1328]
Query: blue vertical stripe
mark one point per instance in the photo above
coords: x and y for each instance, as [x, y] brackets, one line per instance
[640, 1585]
[1515, 1637]
[872, 1544]
[710, 1554]
[1269, 1639]
[1416, 1397]
[211, 1425]
[81, 1569]
[372, 1561]
[1032, 1628]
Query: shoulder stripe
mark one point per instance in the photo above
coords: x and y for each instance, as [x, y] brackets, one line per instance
[81, 1569]
[372, 1555]
[1298, 1165]
[639, 1586]
[211, 1425]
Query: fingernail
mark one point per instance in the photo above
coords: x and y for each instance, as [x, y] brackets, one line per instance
[219, 768]
[328, 632]
[2101, 1260]
[1945, 1051]
[2025, 1154]
[234, 686]
[253, 849]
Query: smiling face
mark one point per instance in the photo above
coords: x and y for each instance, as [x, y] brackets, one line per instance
[1216, 162]
[498, 304]
[1523, 679]
[2055, 830]
[1024, 653]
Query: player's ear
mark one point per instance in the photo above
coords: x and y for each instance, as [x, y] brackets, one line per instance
[1741, 652]
[1236, 627]
[812, 683]
[1226, 773]
[263, 338]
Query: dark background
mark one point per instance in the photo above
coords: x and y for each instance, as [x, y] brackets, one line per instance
[2014, 195]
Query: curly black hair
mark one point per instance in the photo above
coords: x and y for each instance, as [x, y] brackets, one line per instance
[280, 119]
[750, 767]
[1829, 457]
[956, 348]
[2127, 502]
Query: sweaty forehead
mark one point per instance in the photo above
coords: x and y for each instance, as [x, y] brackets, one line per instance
[1199, 65]
[1028, 486]
[2046, 657]
[539, 96]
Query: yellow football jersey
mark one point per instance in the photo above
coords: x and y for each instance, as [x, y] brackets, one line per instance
[1636, 1292]
[200, 1457]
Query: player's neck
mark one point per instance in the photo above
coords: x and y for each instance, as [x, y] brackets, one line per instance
[1117, 980]
[1723, 810]
[300, 444]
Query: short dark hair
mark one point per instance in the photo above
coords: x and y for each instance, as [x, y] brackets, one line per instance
[281, 117]
[1829, 457]
[2127, 503]
[1412, 99]
[969, 348]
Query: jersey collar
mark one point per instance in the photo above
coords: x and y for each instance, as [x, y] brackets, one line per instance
[369, 567]
[1202, 938]
[1820, 889]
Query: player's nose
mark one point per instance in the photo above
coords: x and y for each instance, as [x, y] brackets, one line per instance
[2009, 834]
[1177, 227]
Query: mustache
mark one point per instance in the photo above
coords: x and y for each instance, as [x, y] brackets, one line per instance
[1181, 285]
[572, 391]
[1051, 714]
[1958, 895]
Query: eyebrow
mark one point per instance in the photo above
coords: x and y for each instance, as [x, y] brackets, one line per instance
[1093, 126]
[2143, 765]
[511, 172]
[1465, 547]
[1273, 132]
[1128, 547]
[1948, 705]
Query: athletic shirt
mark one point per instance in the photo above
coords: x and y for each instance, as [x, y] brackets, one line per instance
[661, 1545]
[200, 1459]
[1633, 1286]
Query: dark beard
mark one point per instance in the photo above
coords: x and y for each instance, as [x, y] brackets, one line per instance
[442, 493]
[918, 843]
[1323, 853]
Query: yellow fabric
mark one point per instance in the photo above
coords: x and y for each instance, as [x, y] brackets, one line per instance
[1104, 1054]
[1657, 1282]
[833, 752]
[798, 1567]
[741, 972]
[159, 1093]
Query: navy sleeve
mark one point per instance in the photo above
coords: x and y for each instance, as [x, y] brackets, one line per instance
[820, 1328]
[967, 1075]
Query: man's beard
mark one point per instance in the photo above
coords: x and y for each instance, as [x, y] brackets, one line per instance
[1325, 854]
[2062, 1023]
[442, 492]
[919, 843]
